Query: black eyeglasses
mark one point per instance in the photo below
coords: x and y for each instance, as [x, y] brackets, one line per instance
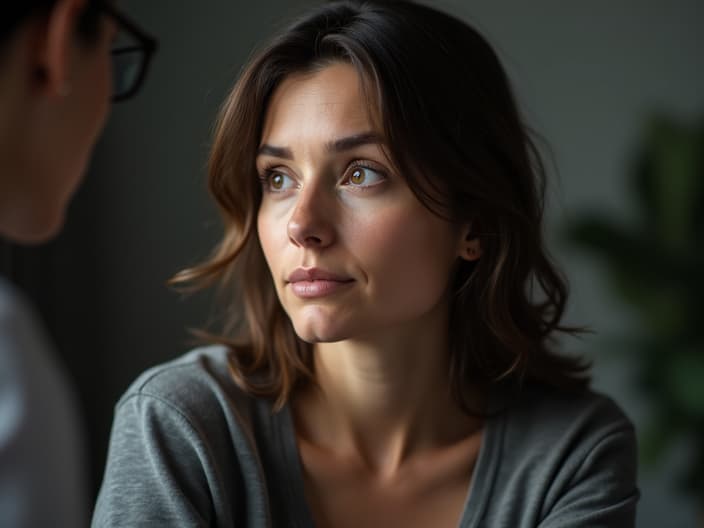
[131, 53]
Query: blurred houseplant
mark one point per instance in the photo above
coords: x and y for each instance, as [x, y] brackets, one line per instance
[656, 265]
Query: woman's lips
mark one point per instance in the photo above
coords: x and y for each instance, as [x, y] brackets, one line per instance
[317, 288]
[313, 282]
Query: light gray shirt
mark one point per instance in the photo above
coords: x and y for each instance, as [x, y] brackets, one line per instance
[190, 449]
[42, 479]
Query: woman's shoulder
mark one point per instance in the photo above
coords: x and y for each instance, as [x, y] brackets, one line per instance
[196, 365]
[556, 440]
[562, 458]
[540, 411]
[195, 385]
[185, 447]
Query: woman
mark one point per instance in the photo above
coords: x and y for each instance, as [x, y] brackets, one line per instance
[56, 82]
[382, 204]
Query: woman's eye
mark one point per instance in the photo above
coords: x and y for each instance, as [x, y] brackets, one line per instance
[278, 181]
[364, 177]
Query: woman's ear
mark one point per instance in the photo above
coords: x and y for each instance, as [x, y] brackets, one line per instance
[55, 43]
[470, 247]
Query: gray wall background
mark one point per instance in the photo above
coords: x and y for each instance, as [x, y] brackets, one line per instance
[587, 74]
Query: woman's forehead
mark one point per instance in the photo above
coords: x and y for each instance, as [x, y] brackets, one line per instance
[329, 100]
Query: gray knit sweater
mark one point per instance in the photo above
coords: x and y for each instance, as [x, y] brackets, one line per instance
[190, 449]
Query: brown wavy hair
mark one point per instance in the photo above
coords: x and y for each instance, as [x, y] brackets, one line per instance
[452, 128]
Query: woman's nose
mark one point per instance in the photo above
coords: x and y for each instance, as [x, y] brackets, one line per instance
[311, 223]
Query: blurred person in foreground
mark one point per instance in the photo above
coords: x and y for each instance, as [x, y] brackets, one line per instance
[59, 70]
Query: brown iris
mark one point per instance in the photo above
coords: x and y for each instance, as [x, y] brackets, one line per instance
[358, 177]
[277, 181]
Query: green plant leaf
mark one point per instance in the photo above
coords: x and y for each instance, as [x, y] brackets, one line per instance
[656, 266]
[684, 378]
[668, 180]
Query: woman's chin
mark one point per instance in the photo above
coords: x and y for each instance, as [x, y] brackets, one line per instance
[319, 332]
[320, 337]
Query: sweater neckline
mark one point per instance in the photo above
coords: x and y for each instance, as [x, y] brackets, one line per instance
[478, 492]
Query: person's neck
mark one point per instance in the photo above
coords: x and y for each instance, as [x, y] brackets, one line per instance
[384, 398]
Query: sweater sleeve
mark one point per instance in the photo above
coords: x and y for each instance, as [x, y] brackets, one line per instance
[602, 492]
[154, 474]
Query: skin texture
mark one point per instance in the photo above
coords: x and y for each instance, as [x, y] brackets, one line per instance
[397, 254]
[380, 428]
[54, 99]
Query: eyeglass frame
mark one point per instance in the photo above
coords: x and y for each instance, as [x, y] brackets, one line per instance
[147, 45]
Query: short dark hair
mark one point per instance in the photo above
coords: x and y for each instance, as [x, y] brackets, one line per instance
[452, 128]
[16, 12]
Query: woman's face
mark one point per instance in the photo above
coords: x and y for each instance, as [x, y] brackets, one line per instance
[352, 252]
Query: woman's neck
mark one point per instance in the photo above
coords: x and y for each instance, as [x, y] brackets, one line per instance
[384, 398]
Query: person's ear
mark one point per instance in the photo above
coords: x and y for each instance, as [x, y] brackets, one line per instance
[470, 247]
[55, 47]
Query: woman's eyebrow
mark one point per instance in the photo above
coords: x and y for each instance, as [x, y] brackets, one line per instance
[350, 142]
[276, 152]
[336, 145]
